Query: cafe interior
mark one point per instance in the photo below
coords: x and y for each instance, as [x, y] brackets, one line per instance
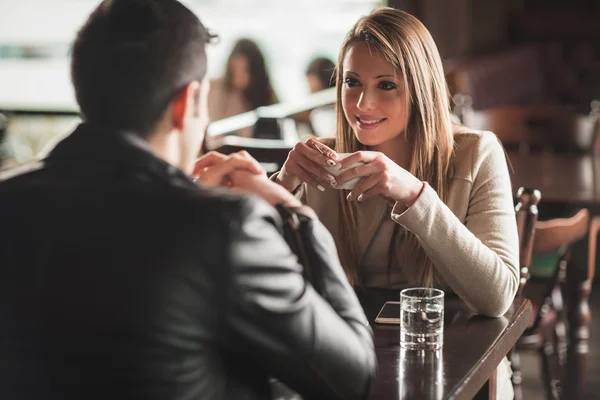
[527, 70]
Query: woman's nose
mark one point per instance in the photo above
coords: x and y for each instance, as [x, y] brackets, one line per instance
[366, 101]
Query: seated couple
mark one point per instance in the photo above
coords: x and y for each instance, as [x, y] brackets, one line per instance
[123, 277]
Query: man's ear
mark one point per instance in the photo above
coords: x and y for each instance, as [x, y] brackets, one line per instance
[185, 104]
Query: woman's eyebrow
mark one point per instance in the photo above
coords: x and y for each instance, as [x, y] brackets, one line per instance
[377, 77]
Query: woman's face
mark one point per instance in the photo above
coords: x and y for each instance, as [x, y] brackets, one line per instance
[373, 96]
[240, 68]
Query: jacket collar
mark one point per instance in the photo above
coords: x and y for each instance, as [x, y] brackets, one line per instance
[93, 147]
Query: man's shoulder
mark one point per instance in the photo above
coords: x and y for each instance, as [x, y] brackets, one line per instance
[232, 208]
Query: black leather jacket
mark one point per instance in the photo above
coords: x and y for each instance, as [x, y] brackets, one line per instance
[122, 279]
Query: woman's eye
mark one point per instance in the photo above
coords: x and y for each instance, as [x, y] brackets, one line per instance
[385, 85]
[351, 82]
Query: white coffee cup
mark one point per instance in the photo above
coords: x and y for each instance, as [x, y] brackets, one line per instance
[336, 172]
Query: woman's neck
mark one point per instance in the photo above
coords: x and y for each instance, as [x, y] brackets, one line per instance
[398, 149]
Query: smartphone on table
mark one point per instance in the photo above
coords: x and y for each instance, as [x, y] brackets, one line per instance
[389, 313]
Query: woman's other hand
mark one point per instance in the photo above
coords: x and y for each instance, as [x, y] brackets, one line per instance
[380, 177]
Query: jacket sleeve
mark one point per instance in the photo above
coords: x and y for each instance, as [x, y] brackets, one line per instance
[478, 259]
[322, 347]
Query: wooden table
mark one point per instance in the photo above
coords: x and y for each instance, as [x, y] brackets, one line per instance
[473, 347]
[571, 181]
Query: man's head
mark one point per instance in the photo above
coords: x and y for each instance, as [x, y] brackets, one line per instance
[140, 65]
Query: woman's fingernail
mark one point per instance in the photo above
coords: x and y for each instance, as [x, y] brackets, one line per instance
[331, 163]
[337, 167]
[360, 198]
[349, 197]
[321, 188]
[333, 183]
[330, 178]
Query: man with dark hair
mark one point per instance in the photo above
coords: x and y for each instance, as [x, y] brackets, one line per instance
[122, 278]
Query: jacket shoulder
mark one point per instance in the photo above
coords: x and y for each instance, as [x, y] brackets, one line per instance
[232, 208]
[471, 148]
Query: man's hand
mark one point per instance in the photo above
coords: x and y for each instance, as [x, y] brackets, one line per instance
[214, 169]
[241, 173]
[247, 182]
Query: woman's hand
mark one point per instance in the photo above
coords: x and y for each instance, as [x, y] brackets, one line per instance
[213, 168]
[380, 177]
[305, 164]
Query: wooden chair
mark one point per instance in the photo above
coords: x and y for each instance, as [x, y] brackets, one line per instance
[526, 212]
[534, 128]
[547, 334]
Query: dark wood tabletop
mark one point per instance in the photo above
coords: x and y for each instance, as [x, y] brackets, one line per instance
[473, 348]
[562, 178]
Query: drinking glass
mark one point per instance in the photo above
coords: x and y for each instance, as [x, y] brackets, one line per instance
[421, 319]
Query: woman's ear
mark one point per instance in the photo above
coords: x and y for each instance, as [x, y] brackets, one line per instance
[185, 104]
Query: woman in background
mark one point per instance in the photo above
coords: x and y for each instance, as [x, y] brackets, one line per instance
[433, 205]
[320, 74]
[245, 86]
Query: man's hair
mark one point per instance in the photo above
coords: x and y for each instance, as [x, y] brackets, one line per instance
[132, 57]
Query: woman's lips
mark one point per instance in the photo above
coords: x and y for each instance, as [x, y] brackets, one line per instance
[368, 122]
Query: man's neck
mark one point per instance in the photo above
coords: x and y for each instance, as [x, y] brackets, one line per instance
[165, 145]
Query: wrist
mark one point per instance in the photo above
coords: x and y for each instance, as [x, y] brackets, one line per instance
[287, 181]
[291, 203]
[414, 192]
[282, 196]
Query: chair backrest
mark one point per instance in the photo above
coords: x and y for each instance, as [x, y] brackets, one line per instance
[592, 241]
[526, 212]
[526, 128]
[557, 233]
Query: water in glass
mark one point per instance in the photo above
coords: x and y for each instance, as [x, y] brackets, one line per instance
[422, 323]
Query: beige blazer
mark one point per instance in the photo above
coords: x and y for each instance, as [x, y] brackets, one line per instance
[472, 240]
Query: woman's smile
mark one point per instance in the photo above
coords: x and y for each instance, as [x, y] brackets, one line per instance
[369, 122]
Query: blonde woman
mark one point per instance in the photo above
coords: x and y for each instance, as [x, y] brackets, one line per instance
[434, 203]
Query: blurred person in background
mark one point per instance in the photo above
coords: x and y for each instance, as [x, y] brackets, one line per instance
[319, 121]
[245, 86]
[123, 278]
[320, 74]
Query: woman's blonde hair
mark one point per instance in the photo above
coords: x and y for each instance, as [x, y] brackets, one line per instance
[404, 41]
